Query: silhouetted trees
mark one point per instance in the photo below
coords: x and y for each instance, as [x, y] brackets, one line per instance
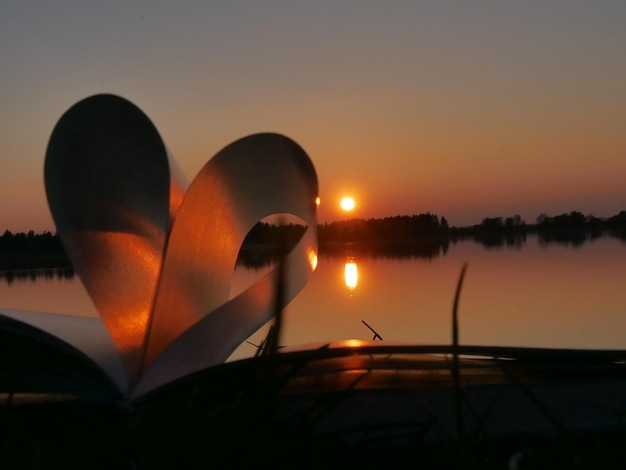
[500, 231]
[570, 228]
[264, 233]
[395, 228]
[415, 235]
[617, 221]
[31, 250]
[572, 220]
[29, 242]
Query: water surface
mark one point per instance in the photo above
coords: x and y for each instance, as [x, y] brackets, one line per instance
[548, 295]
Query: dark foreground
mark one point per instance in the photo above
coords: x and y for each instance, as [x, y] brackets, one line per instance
[368, 404]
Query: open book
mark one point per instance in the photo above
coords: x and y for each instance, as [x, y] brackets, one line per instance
[155, 254]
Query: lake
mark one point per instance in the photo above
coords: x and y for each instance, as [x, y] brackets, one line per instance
[534, 294]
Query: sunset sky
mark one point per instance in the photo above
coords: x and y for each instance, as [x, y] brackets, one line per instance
[462, 109]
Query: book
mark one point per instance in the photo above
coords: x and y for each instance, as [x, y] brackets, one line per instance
[155, 253]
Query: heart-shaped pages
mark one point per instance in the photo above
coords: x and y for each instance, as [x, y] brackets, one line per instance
[158, 265]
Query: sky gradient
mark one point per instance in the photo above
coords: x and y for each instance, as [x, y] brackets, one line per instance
[463, 109]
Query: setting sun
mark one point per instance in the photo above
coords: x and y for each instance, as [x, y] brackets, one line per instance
[347, 203]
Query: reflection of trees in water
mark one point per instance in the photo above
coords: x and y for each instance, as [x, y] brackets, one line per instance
[261, 256]
[426, 249]
[619, 234]
[568, 237]
[419, 248]
[573, 237]
[22, 275]
[501, 240]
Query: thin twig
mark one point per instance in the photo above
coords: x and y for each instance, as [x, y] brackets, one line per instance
[456, 372]
[376, 335]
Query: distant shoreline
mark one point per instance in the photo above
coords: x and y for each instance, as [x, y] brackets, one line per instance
[424, 236]
[57, 264]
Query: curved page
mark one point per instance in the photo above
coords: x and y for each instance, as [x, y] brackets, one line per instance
[113, 191]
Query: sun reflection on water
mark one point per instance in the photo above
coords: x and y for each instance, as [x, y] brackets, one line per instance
[312, 257]
[351, 274]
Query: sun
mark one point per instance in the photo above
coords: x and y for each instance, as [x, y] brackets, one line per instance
[347, 204]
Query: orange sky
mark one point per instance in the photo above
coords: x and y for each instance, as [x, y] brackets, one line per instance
[467, 112]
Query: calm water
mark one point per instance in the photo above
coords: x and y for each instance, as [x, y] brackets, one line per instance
[538, 295]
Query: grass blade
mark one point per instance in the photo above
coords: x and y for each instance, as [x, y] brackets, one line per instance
[456, 372]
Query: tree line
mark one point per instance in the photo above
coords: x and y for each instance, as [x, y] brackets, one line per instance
[31, 250]
[571, 220]
[423, 235]
[572, 228]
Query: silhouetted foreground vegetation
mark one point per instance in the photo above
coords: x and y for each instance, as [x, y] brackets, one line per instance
[423, 236]
[377, 406]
